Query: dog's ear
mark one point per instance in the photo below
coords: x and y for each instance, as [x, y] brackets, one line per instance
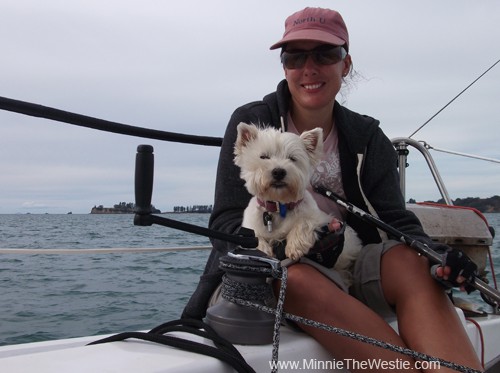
[313, 140]
[246, 133]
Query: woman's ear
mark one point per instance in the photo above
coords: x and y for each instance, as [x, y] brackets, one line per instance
[347, 65]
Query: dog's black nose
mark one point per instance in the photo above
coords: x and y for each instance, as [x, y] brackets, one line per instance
[279, 173]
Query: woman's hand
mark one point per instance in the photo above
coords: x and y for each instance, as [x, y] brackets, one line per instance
[329, 245]
[458, 270]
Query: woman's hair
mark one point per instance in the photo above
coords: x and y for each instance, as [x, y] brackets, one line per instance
[348, 83]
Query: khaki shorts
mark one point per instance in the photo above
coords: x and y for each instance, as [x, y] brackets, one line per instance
[367, 286]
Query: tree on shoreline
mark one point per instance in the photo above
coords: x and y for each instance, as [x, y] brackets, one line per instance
[491, 204]
[194, 208]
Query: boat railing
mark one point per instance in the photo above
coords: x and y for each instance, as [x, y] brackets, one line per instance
[401, 144]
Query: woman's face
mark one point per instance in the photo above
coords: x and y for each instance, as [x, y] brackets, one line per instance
[314, 86]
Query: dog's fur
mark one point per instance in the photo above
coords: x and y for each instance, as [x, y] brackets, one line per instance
[277, 167]
[259, 153]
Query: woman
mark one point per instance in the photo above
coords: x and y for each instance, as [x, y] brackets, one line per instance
[360, 165]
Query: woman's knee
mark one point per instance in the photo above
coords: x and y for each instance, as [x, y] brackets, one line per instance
[403, 261]
[403, 272]
[306, 282]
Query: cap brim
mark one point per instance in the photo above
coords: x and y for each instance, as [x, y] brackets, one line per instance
[314, 35]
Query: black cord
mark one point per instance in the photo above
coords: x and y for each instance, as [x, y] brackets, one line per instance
[223, 351]
[39, 111]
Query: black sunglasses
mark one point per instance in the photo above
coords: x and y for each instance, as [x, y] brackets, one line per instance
[322, 55]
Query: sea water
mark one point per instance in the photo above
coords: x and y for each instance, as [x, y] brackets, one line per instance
[53, 296]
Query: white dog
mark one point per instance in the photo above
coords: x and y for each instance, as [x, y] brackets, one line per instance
[277, 168]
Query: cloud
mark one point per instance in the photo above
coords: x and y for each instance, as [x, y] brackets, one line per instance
[185, 66]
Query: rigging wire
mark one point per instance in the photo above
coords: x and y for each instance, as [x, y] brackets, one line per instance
[453, 99]
[428, 146]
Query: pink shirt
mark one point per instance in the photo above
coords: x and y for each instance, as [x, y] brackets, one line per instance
[327, 172]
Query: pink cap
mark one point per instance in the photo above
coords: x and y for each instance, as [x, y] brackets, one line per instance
[318, 24]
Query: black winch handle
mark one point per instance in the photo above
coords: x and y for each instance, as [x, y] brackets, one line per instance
[144, 170]
[420, 247]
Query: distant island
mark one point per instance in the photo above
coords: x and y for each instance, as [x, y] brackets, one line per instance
[120, 208]
[488, 205]
[129, 208]
[491, 204]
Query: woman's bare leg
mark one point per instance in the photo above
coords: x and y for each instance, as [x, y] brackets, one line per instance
[312, 295]
[427, 320]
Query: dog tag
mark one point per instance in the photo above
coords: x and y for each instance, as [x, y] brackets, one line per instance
[282, 209]
[268, 221]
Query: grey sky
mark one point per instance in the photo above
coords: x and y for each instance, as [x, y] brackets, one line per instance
[185, 66]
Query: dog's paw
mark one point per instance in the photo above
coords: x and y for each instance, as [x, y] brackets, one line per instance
[295, 252]
[299, 241]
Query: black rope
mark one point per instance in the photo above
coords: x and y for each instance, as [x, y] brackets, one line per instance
[199, 328]
[46, 112]
[223, 351]
[279, 317]
[251, 292]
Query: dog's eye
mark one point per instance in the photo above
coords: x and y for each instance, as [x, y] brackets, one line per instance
[264, 156]
[292, 158]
